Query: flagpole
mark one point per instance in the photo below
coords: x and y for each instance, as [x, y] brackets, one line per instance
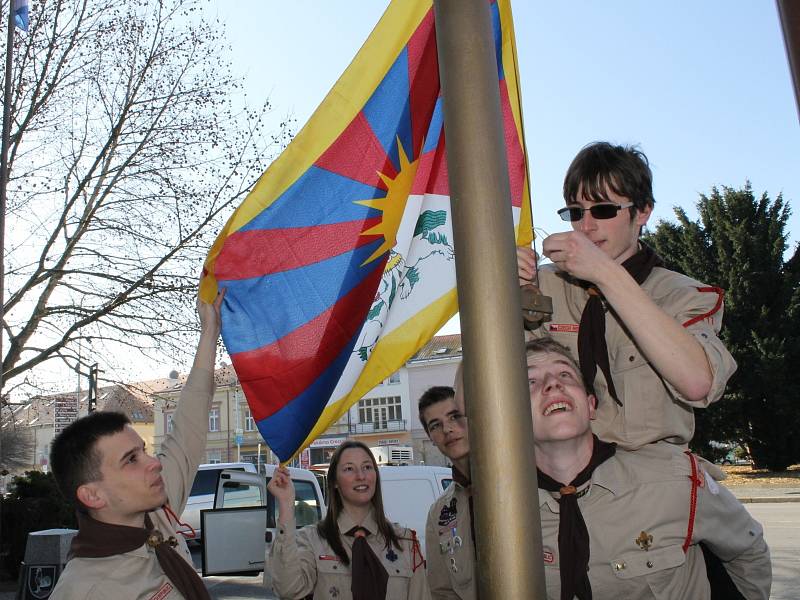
[502, 462]
[4, 170]
[3, 187]
[789, 12]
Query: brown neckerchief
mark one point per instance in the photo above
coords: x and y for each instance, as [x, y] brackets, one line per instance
[369, 577]
[462, 480]
[592, 346]
[96, 539]
[573, 537]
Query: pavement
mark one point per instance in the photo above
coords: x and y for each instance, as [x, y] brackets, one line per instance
[749, 494]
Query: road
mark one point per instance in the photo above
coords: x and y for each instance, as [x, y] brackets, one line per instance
[781, 521]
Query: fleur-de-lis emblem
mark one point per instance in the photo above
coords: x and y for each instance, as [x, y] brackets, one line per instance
[644, 541]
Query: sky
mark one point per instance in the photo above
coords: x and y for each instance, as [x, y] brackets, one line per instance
[703, 88]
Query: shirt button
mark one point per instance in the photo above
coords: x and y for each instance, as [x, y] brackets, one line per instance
[649, 564]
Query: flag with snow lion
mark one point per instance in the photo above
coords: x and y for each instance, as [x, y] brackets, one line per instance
[339, 264]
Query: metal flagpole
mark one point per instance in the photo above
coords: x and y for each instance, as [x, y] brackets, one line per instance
[502, 462]
[4, 181]
[789, 11]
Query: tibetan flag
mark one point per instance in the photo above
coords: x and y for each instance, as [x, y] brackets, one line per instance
[21, 8]
[339, 264]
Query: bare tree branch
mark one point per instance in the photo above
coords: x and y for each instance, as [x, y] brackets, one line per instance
[128, 153]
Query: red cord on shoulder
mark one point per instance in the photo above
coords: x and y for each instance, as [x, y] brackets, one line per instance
[693, 501]
[720, 295]
[417, 560]
[191, 534]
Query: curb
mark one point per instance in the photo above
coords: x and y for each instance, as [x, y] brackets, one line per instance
[768, 500]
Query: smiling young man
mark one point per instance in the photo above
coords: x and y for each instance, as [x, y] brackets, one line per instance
[127, 546]
[645, 336]
[449, 532]
[622, 524]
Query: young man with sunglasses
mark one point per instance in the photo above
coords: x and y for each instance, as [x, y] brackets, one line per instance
[645, 336]
[449, 536]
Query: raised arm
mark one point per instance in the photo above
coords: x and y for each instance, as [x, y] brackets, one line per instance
[674, 353]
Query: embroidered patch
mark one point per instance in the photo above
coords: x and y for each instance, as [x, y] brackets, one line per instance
[328, 557]
[549, 557]
[563, 327]
[334, 592]
[163, 592]
[391, 555]
[448, 513]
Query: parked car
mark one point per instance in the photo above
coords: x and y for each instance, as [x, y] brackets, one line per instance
[202, 495]
[244, 517]
[235, 545]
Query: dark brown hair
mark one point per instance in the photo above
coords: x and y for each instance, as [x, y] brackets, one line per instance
[431, 396]
[328, 528]
[74, 457]
[599, 166]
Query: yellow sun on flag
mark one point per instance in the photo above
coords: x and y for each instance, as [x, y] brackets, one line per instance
[393, 205]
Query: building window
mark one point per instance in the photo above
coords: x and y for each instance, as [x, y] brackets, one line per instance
[394, 377]
[214, 457]
[170, 424]
[379, 411]
[213, 419]
[249, 422]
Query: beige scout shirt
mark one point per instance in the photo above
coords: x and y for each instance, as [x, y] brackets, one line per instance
[652, 410]
[449, 547]
[302, 563]
[637, 513]
[136, 575]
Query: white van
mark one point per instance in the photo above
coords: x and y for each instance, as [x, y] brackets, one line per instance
[243, 519]
[202, 495]
[233, 544]
[409, 491]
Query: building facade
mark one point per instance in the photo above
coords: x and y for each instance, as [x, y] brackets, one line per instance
[386, 416]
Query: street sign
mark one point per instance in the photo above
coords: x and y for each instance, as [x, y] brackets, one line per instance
[65, 412]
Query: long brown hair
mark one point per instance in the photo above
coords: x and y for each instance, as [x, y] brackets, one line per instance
[328, 528]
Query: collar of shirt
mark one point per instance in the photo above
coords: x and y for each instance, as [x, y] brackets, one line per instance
[346, 523]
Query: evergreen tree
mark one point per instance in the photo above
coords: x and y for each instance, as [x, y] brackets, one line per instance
[738, 244]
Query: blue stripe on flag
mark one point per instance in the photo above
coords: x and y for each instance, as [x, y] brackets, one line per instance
[388, 110]
[318, 197]
[498, 40]
[288, 428]
[435, 128]
[289, 299]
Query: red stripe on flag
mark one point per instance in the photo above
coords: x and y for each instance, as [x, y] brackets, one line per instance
[423, 77]
[514, 153]
[274, 375]
[432, 172]
[358, 155]
[263, 251]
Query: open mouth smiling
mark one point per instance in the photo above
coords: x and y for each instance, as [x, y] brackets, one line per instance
[557, 407]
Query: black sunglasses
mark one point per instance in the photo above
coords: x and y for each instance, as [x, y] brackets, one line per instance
[599, 211]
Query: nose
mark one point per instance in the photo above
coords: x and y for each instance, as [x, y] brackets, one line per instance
[551, 382]
[155, 464]
[587, 223]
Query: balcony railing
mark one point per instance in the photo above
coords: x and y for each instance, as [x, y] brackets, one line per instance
[378, 426]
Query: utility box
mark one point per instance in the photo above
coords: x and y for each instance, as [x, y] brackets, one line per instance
[393, 455]
[45, 556]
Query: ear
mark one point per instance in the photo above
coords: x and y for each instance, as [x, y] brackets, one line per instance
[592, 400]
[643, 215]
[91, 496]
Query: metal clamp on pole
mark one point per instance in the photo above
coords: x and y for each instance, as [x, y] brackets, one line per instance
[536, 307]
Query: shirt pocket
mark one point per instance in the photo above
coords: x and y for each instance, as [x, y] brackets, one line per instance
[633, 376]
[654, 569]
[332, 574]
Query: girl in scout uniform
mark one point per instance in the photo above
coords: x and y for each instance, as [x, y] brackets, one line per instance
[354, 552]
